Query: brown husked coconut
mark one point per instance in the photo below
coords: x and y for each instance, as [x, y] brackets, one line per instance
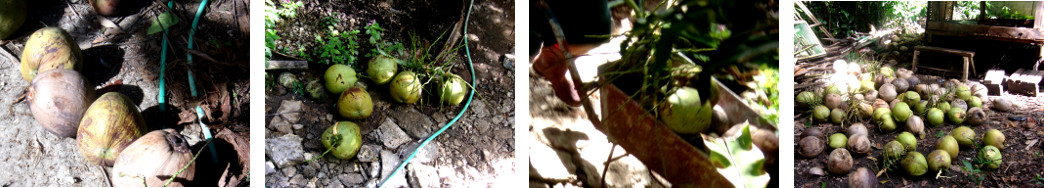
[832, 101]
[58, 98]
[839, 161]
[871, 95]
[881, 104]
[810, 146]
[857, 129]
[887, 92]
[862, 178]
[901, 85]
[860, 144]
[915, 125]
[976, 116]
[152, 159]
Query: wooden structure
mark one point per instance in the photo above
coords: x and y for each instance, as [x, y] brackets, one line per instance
[940, 23]
[968, 57]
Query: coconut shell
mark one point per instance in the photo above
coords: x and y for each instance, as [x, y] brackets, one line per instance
[862, 178]
[106, 7]
[58, 99]
[110, 124]
[1003, 104]
[976, 116]
[49, 48]
[154, 157]
[839, 161]
[888, 92]
[810, 146]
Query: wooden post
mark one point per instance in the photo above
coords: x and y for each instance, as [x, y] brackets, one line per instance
[1038, 15]
[982, 11]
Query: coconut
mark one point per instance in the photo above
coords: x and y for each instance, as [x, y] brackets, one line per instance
[339, 77]
[938, 160]
[963, 92]
[991, 157]
[288, 80]
[993, 137]
[887, 124]
[58, 99]
[871, 95]
[406, 87]
[949, 144]
[812, 131]
[452, 90]
[912, 97]
[886, 71]
[903, 73]
[955, 115]
[832, 101]
[315, 90]
[976, 116]
[893, 151]
[915, 164]
[110, 124]
[810, 147]
[837, 116]
[922, 89]
[106, 7]
[974, 102]
[935, 117]
[684, 113]
[832, 89]
[908, 140]
[837, 140]
[857, 129]
[880, 112]
[821, 113]
[49, 48]
[862, 178]
[1003, 104]
[901, 112]
[154, 158]
[913, 80]
[920, 107]
[958, 103]
[901, 85]
[865, 110]
[943, 105]
[355, 103]
[859, 144]
[806, 99]
[965, 136]
[887, 92]
[858, 97]
[915, 125]
[382, 68]
[881, 104]
[12, 16]
[839, 161]
[345, 139]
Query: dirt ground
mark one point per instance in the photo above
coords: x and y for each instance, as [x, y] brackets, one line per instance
[119, 56]
[1022, 159]
[478, 150]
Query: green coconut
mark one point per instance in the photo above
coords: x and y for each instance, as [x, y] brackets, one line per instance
[452, 90]
[109, 125]
[879, 112]
[887, 124]
[943, 105]
[974, 102]
[12, 16]
[837, 116]
[685, 113]
[345, 139]
[965, 136]
[949, 144]
[935, 117]
[339, 77]
[908, 140]
[382, 68]
[49, 48]
[355, 103]
[838, 140]
[938, 160]
[912, 97]
[406, 87]
[993, 137]
[963, 92]
[901, 112]
[821, 113]
[956, 116]
[806, 99]
[991, 157]
[915, 164]
[893, 151]
[920, 107]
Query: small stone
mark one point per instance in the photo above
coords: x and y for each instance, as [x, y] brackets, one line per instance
[291, 110]
[298, 126]
[414, 122]
[368, 153]
[297, 180]
[389, 161]
[289, 172]
[269, 168]
[280, 125]
[391, 135]
[308, 171]
[285, 150]
[351, 179]
[423, 176]
[817, 171]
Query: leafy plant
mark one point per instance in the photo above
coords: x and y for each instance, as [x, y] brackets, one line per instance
[974, 173]
[274, 13]
[338, 47]
[381, 46]
[738, 160]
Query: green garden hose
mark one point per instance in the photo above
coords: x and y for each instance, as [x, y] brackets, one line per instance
[163, 68]
[471, 67]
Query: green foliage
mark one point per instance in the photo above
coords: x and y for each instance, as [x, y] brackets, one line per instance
[843, 18]
[974, 173]
[381, 46]
[339, 47]
[162, 22]
[274, 13]
[971, 10]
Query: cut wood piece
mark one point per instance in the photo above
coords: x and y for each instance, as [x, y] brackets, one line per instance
[1025, 82]
[968, 56]
[286, 64]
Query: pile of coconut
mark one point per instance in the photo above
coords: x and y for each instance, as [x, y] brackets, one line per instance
[888, 98]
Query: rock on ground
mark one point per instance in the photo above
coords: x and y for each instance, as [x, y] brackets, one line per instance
[285, 150]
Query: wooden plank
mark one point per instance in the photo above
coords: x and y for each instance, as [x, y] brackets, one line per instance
[945, 50]
[286, 64]
[1020, 34]
[940, 10]
[815, 21]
